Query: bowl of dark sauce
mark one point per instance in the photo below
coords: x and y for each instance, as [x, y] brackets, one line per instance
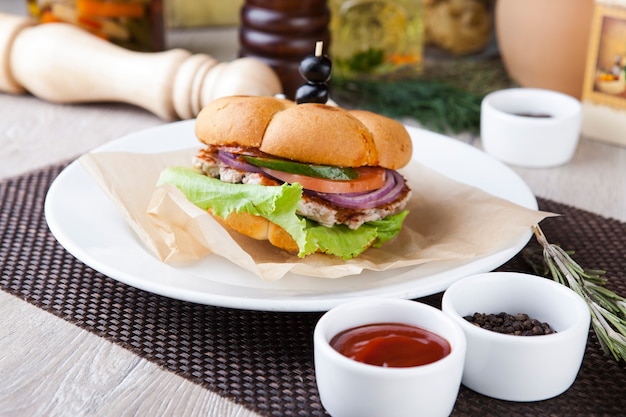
[530, 127]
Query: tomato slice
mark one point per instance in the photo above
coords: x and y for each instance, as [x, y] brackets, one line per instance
[370, 178]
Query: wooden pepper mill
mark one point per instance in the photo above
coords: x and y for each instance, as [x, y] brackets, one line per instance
[61, 63]
[281, 33]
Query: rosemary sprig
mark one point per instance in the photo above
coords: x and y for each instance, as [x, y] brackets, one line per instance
[608, 309]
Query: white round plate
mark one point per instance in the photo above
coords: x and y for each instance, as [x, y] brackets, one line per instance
[86, 223]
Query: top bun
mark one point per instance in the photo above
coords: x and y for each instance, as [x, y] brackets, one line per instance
[310, 132]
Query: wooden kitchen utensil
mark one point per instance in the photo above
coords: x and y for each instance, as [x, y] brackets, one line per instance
[61, 63]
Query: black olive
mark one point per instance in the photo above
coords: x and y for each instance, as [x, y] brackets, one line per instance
[316, 69]
[312, 93]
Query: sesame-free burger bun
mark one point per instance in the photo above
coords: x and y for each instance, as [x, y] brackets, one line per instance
[260, 228]
[309, 132]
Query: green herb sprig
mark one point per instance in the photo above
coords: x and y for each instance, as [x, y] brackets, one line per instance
[608, 309]
[437, 106]
[445, 96]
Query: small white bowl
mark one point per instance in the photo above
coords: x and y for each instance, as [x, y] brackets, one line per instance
[514, 127]
[350, 388]
[519, 368]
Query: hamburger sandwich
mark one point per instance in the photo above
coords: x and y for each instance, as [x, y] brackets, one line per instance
[308, 178]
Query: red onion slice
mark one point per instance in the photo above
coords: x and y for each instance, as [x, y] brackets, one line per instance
[236, 162]
[384, 195]
[394, 184]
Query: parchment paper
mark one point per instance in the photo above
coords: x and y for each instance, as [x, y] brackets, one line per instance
[447, 221]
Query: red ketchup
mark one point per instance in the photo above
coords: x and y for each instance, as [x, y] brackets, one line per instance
[394, 345]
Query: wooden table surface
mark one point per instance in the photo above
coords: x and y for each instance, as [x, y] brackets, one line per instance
[51, 367]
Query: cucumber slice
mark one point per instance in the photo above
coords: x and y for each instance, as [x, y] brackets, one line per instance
[328, 172]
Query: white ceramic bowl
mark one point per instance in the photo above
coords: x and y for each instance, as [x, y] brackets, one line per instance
[350, 388]
[519, 368]
[511, 135]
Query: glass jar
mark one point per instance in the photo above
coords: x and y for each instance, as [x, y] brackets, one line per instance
[372, 38]
[132, 24]
[459, 28]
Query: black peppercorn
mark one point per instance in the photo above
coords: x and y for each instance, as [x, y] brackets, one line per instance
[519, 325]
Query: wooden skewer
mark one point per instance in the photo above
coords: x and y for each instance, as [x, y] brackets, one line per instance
[319, 48]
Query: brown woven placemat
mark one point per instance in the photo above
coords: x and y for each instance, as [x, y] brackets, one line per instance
[264, 360]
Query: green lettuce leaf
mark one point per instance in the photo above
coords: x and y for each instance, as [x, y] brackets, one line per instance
[278, 204]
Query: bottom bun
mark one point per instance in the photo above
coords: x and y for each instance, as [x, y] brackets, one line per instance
[260, 228]
[248, 224]
[281, 239]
